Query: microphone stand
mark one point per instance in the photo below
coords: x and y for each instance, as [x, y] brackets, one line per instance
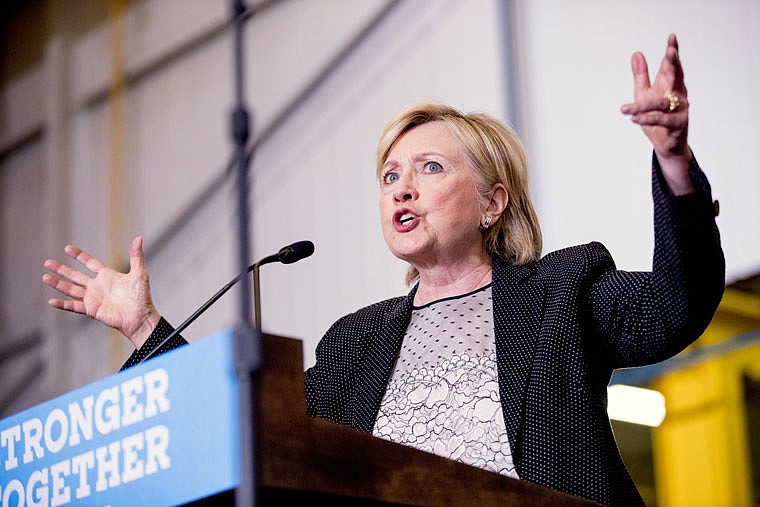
[246, 337]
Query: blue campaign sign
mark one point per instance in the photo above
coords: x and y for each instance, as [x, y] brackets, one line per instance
[163, 433]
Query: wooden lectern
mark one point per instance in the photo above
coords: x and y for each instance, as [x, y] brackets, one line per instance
[302, 459]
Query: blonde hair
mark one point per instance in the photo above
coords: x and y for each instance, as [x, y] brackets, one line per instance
[496, 154]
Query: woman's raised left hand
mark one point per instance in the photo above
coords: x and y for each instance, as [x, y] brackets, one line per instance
[662, 109]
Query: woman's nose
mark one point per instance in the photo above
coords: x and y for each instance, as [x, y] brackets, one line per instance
[405, 190]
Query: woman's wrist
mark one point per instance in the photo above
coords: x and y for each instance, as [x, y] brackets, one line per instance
[675, 172]
[145, 329]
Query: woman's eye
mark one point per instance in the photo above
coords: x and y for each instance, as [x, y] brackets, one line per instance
[390, 177]
[433, 167]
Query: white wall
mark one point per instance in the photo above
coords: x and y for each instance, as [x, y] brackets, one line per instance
[591, 165]
[316, 179]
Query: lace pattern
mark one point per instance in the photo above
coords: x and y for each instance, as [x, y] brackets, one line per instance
[443, 396]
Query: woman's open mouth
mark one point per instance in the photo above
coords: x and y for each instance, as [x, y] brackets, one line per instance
[404, 220]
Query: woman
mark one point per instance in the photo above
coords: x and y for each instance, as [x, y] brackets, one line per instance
[496, 357]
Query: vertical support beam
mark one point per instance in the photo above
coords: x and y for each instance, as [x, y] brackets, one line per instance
[247, 341]
[57, 328]
[510, 39]
[701, 450]
[117, 185]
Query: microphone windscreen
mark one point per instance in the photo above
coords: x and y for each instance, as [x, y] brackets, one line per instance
[295, 252]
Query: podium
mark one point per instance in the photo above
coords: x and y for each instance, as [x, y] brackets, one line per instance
[300, 458]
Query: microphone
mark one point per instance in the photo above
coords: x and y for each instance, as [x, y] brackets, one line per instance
[287, 255]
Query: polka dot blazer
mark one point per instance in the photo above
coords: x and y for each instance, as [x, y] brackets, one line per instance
[562, 325]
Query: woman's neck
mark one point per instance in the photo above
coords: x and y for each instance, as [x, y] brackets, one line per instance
[443, 282]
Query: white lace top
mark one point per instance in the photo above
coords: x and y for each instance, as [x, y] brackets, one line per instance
[443, 395]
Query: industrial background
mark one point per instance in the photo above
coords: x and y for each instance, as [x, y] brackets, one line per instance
[114, 122]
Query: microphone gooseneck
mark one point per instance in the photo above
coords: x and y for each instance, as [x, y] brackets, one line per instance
[287, 255]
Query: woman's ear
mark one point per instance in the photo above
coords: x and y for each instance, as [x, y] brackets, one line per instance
[498, 201]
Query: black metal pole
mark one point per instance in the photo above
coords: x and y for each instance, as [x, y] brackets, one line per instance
[247, 343]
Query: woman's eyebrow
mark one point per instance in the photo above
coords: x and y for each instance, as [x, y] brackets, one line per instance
[428, 154]
[389, 163]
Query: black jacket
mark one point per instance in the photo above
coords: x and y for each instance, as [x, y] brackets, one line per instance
[562, 325]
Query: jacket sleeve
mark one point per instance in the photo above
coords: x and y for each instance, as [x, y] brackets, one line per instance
[644, 318]
[159, 334]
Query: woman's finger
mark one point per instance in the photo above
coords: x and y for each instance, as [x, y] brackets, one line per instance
[68, 305]
[670, 75]
[67, 272]
[66, 288]
[667, 70]
[87, 260]
[640, 75]
[671, 121]
[673, 41]
[652, 104]
[136, 256]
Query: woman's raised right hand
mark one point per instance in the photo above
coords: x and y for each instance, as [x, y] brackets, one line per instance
[119, 300]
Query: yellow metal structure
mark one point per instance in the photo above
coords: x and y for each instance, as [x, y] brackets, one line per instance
[701, 451]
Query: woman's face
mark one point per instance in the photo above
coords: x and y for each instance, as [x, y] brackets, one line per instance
[428, 202]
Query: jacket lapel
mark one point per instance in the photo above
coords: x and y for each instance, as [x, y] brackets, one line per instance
[378, 366]
[518, 307]
[518, 310]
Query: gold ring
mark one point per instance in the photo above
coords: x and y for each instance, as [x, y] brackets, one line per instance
[674, 103]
